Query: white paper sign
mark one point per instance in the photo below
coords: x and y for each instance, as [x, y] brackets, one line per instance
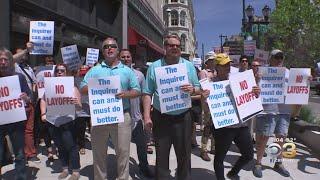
[41, 73]
[105, 108]
[71, 57]
[272, 84]
[262, 56]
[247, 103]
[169, 80]
[233, 70]
[58, 96]
[11, 106]
[92, 56]
[197, 62]
[249, 47]
[42, 35]
[298, 87]
[221, 104]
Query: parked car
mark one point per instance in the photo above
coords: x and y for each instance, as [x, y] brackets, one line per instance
[315, 84]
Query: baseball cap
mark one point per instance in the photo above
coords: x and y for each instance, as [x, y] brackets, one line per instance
[222, 59]
[210, 55]
[276, 52]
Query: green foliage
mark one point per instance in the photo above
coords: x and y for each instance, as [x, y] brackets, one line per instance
[295, 28]
[307, 115]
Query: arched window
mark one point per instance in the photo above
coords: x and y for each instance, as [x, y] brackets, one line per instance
[183, 42]
[174, 1]
[183, 18]
[174, 18]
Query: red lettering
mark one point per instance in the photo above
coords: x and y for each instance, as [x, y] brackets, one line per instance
[4, 91]
[243, 85]
[299, 79]
[59, 89]
[47, 74]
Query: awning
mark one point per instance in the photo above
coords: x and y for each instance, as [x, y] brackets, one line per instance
[134, 37]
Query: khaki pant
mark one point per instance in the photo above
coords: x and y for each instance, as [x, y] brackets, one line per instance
[121, 136]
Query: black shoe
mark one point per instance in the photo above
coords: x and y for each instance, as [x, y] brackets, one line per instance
[34, 159]
[146, 172]
[257, 171]
[232, 175]
[281, 170]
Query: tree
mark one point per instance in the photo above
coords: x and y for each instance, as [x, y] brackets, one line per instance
[295, 28]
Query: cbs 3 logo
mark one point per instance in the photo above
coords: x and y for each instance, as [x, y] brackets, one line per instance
[289, 150]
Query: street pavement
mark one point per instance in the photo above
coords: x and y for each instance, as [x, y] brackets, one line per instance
[304, 166]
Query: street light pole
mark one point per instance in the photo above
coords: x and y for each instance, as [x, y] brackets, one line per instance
[221, 46]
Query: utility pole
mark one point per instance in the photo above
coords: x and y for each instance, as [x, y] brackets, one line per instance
[202, 56]
[221, 45]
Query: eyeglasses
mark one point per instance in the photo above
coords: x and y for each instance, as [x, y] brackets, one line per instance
[107, 46]
[60, 70]
[242, 61]
[122, 57]
[174, 45]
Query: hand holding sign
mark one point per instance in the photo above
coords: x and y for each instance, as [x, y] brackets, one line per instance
[188, 88]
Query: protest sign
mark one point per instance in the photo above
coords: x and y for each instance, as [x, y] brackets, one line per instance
[298, 87]
[92, 56]
[71, 57]
[233, 70]
[262, 56]
[197, 62]
[272, 84]
[235, 58]
[246, 101]
[249, 47]
[42, 35]
[41, 73]
[169, 80]
[58, 97]
[221, 104]
[105, 108]
[11, 106]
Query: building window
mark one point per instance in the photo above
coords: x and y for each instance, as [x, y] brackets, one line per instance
[174, 18]
[175, 1]
[166, 1]
[183, 42]
[182, 1]
[183, 18]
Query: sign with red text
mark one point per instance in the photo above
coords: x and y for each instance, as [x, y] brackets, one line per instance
[247, 103]
[169, 80]
[105, 107]
[272, 84]
[262, 56]
[221, 104]
[298, 87]
[58, 96]
[70, 56]
[11, 106]
[41, 73]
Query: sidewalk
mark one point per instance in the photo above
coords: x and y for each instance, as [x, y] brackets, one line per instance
[303, 166]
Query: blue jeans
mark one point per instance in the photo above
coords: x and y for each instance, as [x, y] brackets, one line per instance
[64, 138]
[16, 134]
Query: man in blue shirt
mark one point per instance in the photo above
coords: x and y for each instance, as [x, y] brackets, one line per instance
[120, 133]
[172, 128]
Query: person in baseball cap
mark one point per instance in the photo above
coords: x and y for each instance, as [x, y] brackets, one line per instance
[222, 59]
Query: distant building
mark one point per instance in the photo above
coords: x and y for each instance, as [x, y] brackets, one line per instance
[179, 19]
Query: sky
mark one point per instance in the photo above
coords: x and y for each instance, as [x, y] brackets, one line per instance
[215, 17]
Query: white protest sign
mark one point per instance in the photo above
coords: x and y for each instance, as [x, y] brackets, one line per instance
[105, 108]
[298, 87]
[92, 56]
[272, 84]
[42, 35]
[41, 73]
[235, 58]
[246, 101]
[71, 57]
[262, 56]
[221, 104]
[169, 79]
[197, 62]
[249, 47]
[11, 106]
[58, 97]
[233, 70]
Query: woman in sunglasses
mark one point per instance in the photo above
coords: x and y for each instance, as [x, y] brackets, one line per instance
[64, 135]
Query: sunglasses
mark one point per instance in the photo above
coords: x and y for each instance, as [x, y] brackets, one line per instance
[174, 45]
[244, 61]
[60, 70]
[107, 46]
